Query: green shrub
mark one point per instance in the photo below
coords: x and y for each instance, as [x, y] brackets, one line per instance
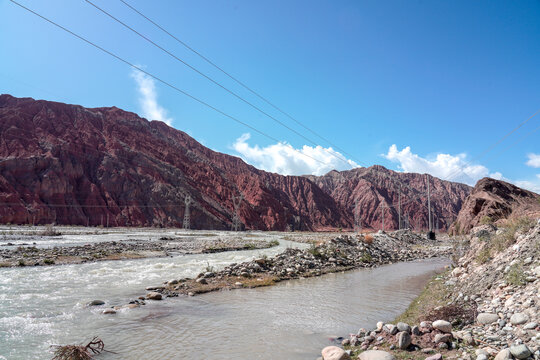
[516, 275]
[484, 255]
[48, 261]
[486, 220]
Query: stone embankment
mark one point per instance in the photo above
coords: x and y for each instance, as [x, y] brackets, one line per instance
[488, 306]
[118, 250]
[338, 254]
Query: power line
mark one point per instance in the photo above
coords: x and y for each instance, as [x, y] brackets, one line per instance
[161, 80]
[214, 81]
[235, 79]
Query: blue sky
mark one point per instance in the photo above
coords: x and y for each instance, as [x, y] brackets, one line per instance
[422, 86]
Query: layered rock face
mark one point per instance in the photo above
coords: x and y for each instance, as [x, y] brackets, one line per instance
[67, 164]
[377, 186]
[496, 200]
[72, 165]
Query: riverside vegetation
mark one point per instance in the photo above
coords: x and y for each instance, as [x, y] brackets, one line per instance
[487, 306]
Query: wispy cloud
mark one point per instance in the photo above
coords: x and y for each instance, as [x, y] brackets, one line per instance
[283, 159]
[148, 98]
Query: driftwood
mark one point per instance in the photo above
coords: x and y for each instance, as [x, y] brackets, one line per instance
[79, 352]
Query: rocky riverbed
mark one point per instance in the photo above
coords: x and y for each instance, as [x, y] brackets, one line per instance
[488, 306]
[30, 255]
[341, 253]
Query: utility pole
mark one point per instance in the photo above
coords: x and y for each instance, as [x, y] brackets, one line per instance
[187, 202]
[107, 219]
[357, 221]
[236, 217]
[399, 208]
[382, 215]
[431, 234]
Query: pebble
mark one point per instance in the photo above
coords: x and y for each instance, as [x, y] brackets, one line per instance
[487, 318]
[108, 311]
[520, 351]
[443, 326]
[403, 340]
[403, 327]
[376, 355]
[154, 296]
[334, 353]
[437, 356]
[504, 355]
[519, 318]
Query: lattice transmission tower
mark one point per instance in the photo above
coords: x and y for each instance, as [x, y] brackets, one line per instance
[187, 215]
[236, 223]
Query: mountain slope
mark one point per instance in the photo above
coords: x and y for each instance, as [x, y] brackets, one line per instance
[377, 185]
[71, 165]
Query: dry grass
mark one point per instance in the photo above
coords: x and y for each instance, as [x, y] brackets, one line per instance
[368, 239]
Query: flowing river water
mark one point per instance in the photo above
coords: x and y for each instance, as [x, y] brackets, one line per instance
[40, 306]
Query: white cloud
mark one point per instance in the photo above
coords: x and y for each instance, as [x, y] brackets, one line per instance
[444, 166]
[148, 98]
[453, 168]
[534, 160]
[281, 158]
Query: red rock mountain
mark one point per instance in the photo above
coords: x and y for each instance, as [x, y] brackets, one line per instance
[497, 200]
[73, 165]
[376, 186]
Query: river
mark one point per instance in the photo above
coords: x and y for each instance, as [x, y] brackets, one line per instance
[40, 306]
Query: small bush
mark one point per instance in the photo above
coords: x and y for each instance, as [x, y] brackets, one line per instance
[366, 257]
[483, 255]
[48, 261]
[50, 231]
[314, 250]
[486, 220]
[273, 243]
[368, 239]
[21, 262]
[516, 276]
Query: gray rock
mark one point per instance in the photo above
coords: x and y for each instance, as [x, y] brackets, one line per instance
[403, 340]
[96, 303]
[391, 329]
[334, 353]
[380, 325]
[439, 338]
[504, 354]
[482, 357]
[530, 326]
[403, 327]
[519, 318]
[416, 330]
[109, 311]
[443, 326]
[202, 281]
[154, 296]
[520, 351]
[486, 318]
[376, 355]
[435, 357]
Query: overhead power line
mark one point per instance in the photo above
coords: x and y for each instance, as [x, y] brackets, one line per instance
[161, 80]
[236, 79]
[215, 82]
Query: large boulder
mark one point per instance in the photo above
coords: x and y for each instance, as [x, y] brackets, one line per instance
[154, 296]
[334, 353]
[520, 351]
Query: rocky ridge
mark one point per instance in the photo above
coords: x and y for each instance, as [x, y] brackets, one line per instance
[494, 201]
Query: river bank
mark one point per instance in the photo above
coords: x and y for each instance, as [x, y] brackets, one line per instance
[486, 307]
[339, 254]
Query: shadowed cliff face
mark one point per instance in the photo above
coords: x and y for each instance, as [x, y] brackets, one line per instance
[73, 165]
[497, 200]
[377, 185]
